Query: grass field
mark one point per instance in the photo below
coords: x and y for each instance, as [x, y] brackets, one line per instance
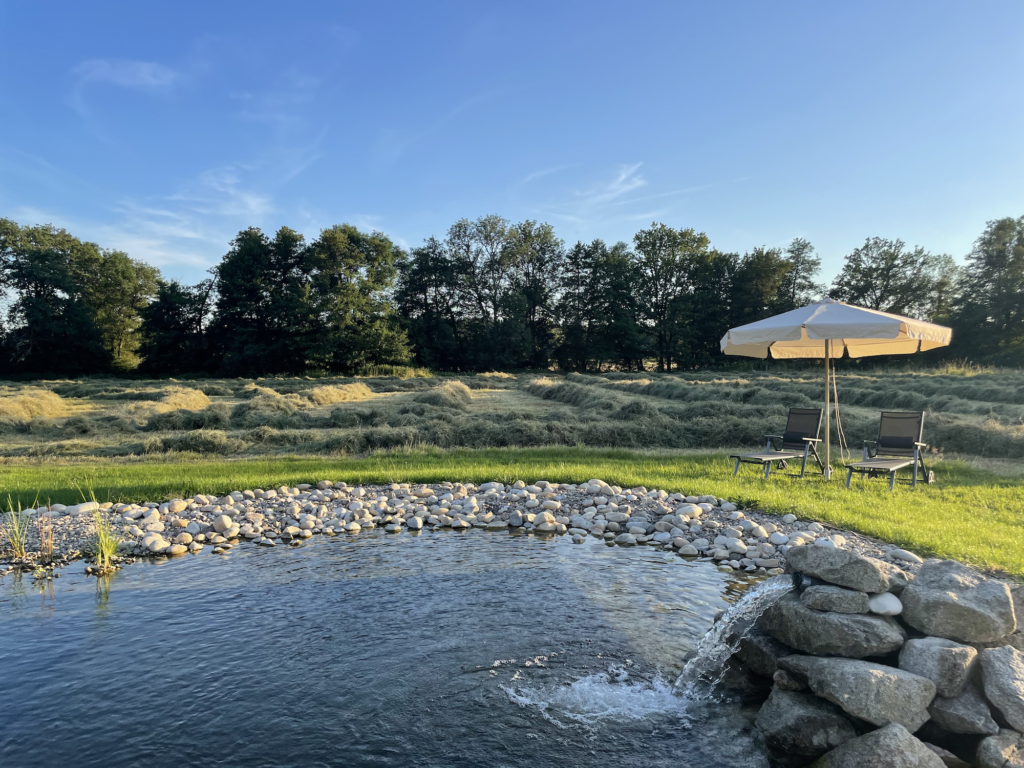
[147, 440]
[103, 419]
[971, 514]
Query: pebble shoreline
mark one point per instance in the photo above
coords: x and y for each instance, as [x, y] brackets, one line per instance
[703, 528]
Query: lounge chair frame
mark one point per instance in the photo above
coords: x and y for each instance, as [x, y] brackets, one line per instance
[898, 446]
[795, 443]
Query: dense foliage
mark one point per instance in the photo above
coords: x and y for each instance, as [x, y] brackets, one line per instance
[491, 294]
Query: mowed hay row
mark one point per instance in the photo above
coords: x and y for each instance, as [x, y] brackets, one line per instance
[328, 395]
[185, 398]
[451, 394]
[31, 404]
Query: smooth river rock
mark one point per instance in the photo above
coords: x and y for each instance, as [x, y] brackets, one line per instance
[846, 569]
[890, 747]
[827, 633]
[872, 692]
[802, 724]
[948, 599]
[1002, 672]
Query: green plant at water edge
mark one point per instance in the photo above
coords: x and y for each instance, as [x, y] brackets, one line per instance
[15, 528]
[106, 541]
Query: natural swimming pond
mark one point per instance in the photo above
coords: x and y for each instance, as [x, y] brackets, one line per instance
[439, 649]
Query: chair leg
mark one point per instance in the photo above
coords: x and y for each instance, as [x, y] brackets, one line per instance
[737, 468]
[767, 469]
[916, 456]
[892, 480]
[803, 467]
[849, 476]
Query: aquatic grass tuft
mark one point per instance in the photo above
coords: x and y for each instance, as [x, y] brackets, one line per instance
[15, 528]
[106, 540]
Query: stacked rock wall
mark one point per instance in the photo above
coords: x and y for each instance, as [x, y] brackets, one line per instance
[870, 666]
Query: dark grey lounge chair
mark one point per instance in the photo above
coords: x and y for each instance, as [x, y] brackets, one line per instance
[799, 441]
[898, 446]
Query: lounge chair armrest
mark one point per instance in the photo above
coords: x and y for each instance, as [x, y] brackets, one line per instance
[921, 445]
[813, 439]
[773, 437]
[870, 448]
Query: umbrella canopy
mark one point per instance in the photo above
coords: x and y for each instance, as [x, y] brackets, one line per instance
[826, 329]
[802, 333]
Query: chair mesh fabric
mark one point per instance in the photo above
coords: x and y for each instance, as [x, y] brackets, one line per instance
[803, 422]
[897, 432]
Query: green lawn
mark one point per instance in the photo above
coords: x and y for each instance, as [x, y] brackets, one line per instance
[970, 514]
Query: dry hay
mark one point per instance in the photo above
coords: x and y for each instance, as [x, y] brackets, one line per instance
[183, 398]
[31, 404]
[328, 395]
[451, 394]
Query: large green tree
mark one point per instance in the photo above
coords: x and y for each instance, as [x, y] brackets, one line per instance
[799, 286]
[51, 318]
[887, 275]
[287, 307]
[173, 330]
[120, 292]
[667, 260]
[989, 318]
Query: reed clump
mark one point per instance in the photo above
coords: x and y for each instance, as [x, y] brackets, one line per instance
[105, 541]
[14, 525]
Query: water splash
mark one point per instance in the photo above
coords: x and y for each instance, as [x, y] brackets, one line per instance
[706, 668]
[612, 694]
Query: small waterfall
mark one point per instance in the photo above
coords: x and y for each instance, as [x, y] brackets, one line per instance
[707, 667]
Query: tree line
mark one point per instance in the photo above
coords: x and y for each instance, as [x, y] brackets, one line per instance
[489, 295]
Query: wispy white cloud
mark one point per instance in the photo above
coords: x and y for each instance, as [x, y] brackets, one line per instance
[144, 75]
[539, 174]
[627, 179]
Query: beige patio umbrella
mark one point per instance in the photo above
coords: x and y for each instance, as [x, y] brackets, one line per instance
[825, 330]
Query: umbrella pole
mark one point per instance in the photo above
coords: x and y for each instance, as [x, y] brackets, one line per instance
[828, 413]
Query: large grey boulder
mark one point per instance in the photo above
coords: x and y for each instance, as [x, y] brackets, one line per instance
[825, 597]
[872, 692]
[946, 663]
[802, 724]
[948, 599]
[889, 747]
[967, 712]
[846, 568]
[761, 652]
[1002, 671]
[948, 758]
[1004, 750]
[826, 633]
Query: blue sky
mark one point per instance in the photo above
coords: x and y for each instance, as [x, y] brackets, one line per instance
[163, 129]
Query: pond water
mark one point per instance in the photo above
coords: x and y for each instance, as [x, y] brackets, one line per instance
[439, 649]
